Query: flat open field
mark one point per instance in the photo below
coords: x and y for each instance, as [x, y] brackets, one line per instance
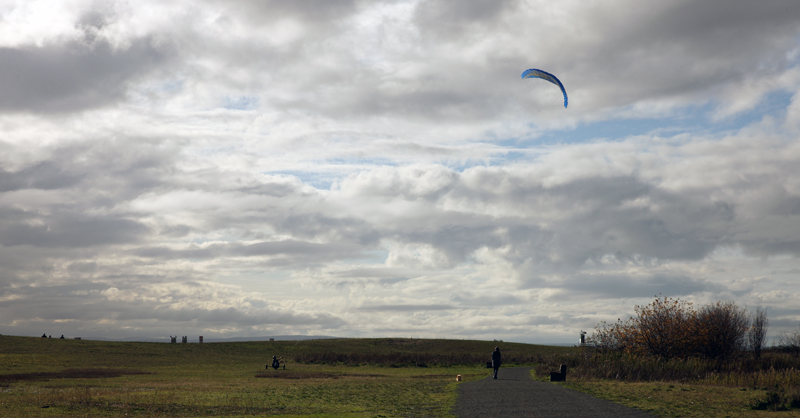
[340, 377]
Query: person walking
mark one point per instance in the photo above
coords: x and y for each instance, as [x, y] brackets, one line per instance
[496, 360]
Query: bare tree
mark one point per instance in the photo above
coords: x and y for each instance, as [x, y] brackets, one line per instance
[789, 342]
[723, 327]
[757, 336]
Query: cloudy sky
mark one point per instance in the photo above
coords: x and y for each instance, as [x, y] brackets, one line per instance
[379, 168]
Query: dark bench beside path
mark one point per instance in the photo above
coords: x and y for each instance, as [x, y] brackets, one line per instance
[516, 394]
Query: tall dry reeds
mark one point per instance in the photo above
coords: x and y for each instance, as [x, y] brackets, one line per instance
[772, 368]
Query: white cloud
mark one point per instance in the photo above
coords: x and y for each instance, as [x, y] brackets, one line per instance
[379, 168]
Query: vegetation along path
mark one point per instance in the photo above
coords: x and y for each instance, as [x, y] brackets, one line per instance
[516, 394]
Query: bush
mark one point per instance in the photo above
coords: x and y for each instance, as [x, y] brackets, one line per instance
[757, 336]
[669, 328]
[777, 400]
[665, 328]
[721, 330]
[789, 342]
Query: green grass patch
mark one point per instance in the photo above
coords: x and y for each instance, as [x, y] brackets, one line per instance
[682, 400]
[323, 378]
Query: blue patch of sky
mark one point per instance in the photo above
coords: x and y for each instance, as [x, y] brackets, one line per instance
[696, 119]
[172, 86]
[240, 103]
[320, 180]
[359, 162]
[328, 174]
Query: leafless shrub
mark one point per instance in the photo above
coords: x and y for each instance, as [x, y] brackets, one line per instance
[665, 328]
[757, 336]
[671, 328]
[722, 330]
[789, 342]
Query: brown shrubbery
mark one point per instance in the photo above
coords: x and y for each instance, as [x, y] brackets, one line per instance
[671, 328]
[720, 344]
[789, 342]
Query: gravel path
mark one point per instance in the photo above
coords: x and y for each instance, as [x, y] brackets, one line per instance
[516, 394]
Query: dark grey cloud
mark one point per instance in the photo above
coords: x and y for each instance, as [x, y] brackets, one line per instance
[372, 272]
[683, 48]
[675, 50]
[53, 309]
[596, 219]
[313, 11]
[280, 253]
[613, 286]
[469, 299]
[453, 19]
[73, 76]
[66, 230]
[456, 238]
[44, 175]
[329, 228]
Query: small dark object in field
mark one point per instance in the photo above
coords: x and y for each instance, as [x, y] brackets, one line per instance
[559, 376]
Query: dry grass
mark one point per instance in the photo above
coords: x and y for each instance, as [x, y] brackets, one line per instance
[109, 379]
[284, 374]
[70, 374]
[693, 387]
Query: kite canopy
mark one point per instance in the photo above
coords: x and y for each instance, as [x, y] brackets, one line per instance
[544, 75]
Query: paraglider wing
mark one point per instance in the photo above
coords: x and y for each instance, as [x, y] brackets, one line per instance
[544, 75]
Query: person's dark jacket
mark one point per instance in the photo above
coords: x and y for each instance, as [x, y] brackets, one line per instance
[496, 359]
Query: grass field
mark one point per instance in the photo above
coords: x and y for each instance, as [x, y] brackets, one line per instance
[740, 387]
[42, 377]
[341, 377]
[666, 399]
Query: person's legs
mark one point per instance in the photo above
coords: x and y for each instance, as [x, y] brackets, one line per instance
[495, 372]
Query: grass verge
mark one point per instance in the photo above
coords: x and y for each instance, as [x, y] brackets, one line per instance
[681, 400]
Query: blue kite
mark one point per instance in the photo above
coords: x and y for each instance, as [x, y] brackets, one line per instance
[544, 75]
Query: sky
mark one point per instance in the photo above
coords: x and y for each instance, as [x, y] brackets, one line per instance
[380, 169]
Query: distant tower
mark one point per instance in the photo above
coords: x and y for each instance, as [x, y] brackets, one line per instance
[583, 337]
